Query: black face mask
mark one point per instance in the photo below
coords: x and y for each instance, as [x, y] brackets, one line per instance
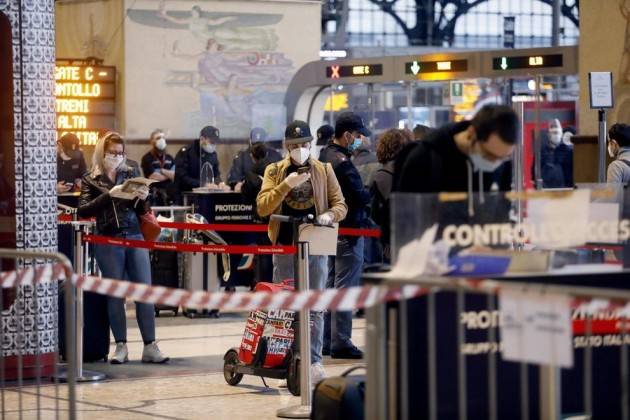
[72, 153]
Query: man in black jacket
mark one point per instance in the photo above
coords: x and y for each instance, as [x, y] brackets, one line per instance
[345, 268]
[465, 156]
[199, 161]
[468, 156]
[243, 161]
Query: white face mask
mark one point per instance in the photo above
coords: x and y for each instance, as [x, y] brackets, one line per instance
[484, 165]
[111, 162]
[555, 137]
[300, 155]
[160, 144]
[209, 148]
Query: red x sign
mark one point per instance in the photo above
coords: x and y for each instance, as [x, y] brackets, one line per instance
[334, 72]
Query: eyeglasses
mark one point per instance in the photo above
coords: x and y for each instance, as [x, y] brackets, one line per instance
[115, 154]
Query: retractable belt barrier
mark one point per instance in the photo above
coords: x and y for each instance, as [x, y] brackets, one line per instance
[185, 247]
[249, 227]
[318, 300]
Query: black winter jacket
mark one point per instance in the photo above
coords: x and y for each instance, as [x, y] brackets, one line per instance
[114, 216]
[187, 166]
[243, 164]
[356, 195]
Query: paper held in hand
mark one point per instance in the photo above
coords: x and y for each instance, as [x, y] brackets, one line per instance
[131, 186]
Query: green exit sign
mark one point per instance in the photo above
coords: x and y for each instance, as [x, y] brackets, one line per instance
[526, 62]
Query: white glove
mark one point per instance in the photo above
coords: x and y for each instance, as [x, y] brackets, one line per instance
[294, 179]
[325, 219]
[142, 193]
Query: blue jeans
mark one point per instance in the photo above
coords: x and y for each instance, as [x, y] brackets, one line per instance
[344, 271]
[317, 269]
[114, 262]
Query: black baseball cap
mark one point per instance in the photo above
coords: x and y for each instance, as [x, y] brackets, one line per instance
[349, 121]
[69, 141]
[210, 132]
[257, 135]
[297, 132]
[324, 134]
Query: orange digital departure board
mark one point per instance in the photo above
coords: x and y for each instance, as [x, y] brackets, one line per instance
[85, 100]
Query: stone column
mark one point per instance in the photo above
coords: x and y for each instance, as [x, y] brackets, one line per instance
[29, 321]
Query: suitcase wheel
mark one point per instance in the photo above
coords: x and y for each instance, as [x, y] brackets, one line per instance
[293, 375]
[230, 361]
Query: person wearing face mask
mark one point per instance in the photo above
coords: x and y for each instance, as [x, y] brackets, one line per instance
[199, 161]
[243, 162]
[300, 185]
[465, 156]
[70, 164]
[556, 159]
[116, 217]
[159, 165]
[619, 150]
[346, 267]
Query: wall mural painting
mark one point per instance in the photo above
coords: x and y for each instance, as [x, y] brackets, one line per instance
[233, 65]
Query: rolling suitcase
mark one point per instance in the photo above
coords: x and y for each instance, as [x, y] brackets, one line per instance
[95, 327]
[268, 335]
[165, 272]
[340, 397]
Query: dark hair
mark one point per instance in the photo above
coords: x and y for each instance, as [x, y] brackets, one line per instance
[420, 131]
[69, 141]
[390, 143]
[498, 119]
[258, 151]
[620, 133]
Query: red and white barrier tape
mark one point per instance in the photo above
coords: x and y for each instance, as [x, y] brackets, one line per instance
[183, 247]
[317, 300]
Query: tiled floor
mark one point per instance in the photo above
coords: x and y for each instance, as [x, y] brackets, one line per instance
[190, 387]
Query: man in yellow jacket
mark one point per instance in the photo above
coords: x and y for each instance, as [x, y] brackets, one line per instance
[297, 186]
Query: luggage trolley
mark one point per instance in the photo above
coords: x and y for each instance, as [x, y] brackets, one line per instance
[268, 346]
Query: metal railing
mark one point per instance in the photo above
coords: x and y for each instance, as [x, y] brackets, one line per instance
[28, 390]
[389, 394]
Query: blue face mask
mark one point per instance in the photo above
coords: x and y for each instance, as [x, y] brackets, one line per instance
[355, 145]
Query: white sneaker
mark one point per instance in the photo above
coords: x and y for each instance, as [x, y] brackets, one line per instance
[152, 354]
[121, 354]
[317, 373]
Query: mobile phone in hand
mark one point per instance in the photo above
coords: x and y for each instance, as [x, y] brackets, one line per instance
[303, 170]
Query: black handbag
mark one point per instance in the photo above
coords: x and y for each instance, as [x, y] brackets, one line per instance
[340, 397]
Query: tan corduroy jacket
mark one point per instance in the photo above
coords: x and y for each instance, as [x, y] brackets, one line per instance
[326, 192]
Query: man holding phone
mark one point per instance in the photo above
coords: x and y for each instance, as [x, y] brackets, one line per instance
[300, 185]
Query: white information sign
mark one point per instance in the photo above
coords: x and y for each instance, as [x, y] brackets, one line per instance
[600, 89]
[536, 328]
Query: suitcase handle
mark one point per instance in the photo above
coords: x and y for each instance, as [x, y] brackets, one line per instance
[352, 369]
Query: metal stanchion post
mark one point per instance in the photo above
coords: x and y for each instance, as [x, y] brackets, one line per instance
[601, 145]
[302, 411]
